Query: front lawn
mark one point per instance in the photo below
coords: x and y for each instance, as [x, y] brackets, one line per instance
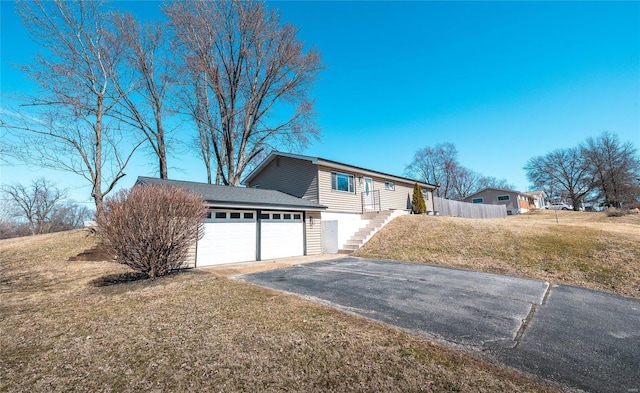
[585, 249]
[63, 329]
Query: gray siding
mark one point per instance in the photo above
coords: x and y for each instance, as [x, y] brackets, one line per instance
[191, 257]
[344, 202]
[313, 228]
[338, 201]
[490, 197]
[400, 197]
[292, 176]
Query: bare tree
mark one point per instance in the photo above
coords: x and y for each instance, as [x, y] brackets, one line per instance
[70, 126]
[492, 182]
[145, 96]
[10, 226]
[615, 167]
[195, 100]
[436, 165]
[34, 203]
[561, 170]
[465, 183]
[66, 216]
[257, 79]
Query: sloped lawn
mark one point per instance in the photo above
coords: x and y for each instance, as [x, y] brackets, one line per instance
[585, 249]
[67, 327]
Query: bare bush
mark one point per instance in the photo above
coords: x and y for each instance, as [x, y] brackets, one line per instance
[617, 212]
[150, 228]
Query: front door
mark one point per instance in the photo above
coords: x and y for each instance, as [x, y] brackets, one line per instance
[367, 191]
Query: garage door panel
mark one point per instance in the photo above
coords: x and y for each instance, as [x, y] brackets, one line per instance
[282, 238]
[227, 241]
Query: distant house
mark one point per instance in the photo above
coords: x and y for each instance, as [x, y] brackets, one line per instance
[354, 197]
[516, 202]
[539, 198]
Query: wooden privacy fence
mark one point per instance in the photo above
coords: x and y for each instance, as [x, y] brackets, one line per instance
[447, 207]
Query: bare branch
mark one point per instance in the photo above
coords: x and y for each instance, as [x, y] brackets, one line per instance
[253, 68]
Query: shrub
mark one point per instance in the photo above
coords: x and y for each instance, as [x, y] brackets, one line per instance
[150, 228]
[617, 212]
[417, 202]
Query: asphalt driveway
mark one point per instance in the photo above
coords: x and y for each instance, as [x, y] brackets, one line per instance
[577, 337]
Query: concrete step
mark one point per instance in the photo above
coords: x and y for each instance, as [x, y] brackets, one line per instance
[352, 247]
[358, 237]
[377, 220]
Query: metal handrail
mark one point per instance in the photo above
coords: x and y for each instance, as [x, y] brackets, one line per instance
[375, 205]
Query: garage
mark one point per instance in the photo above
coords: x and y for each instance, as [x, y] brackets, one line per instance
[248, 224]
[229, 236]
[233, 236]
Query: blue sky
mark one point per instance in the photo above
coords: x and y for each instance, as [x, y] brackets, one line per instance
[503, 81]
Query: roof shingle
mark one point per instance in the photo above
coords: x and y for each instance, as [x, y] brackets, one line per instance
[226, 196]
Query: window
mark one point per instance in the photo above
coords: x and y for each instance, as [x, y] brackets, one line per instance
[248, 216]
[341, 182]
[234, 215]
[264, 216]
[209, 215]
[425, 194]
[287, 216]
[503, 197]
[297, 216]
[276, 216]
[221, 215]
[477, 200]
[388, 185]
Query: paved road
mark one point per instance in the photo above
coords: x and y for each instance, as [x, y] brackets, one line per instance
[577, 337]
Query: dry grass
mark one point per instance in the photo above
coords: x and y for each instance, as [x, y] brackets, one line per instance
[585, 249]
[64, 328]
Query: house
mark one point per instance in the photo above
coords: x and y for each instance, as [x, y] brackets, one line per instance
[358, 201]
[539, 198]
[296, 205]
[515, 202]
[245, 224]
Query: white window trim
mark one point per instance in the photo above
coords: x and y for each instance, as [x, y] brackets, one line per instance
[389, 185]
[282, 213]
[502, 196]
[211, 216]
[480, 200]
[351, 182]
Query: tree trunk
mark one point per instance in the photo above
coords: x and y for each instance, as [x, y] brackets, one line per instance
[97, 178]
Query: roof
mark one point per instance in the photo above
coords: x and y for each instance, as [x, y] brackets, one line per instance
[498, 189]
[238, 197]
[536, 193]
[331, 164]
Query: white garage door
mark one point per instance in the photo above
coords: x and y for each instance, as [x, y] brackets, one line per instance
[282, 235]
[229, 236]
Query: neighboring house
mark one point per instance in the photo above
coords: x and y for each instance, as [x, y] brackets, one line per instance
[515, 202]
[356, 199]
[251, 224]
[539, 198]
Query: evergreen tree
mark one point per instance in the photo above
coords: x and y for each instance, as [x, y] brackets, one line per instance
[417, 202]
